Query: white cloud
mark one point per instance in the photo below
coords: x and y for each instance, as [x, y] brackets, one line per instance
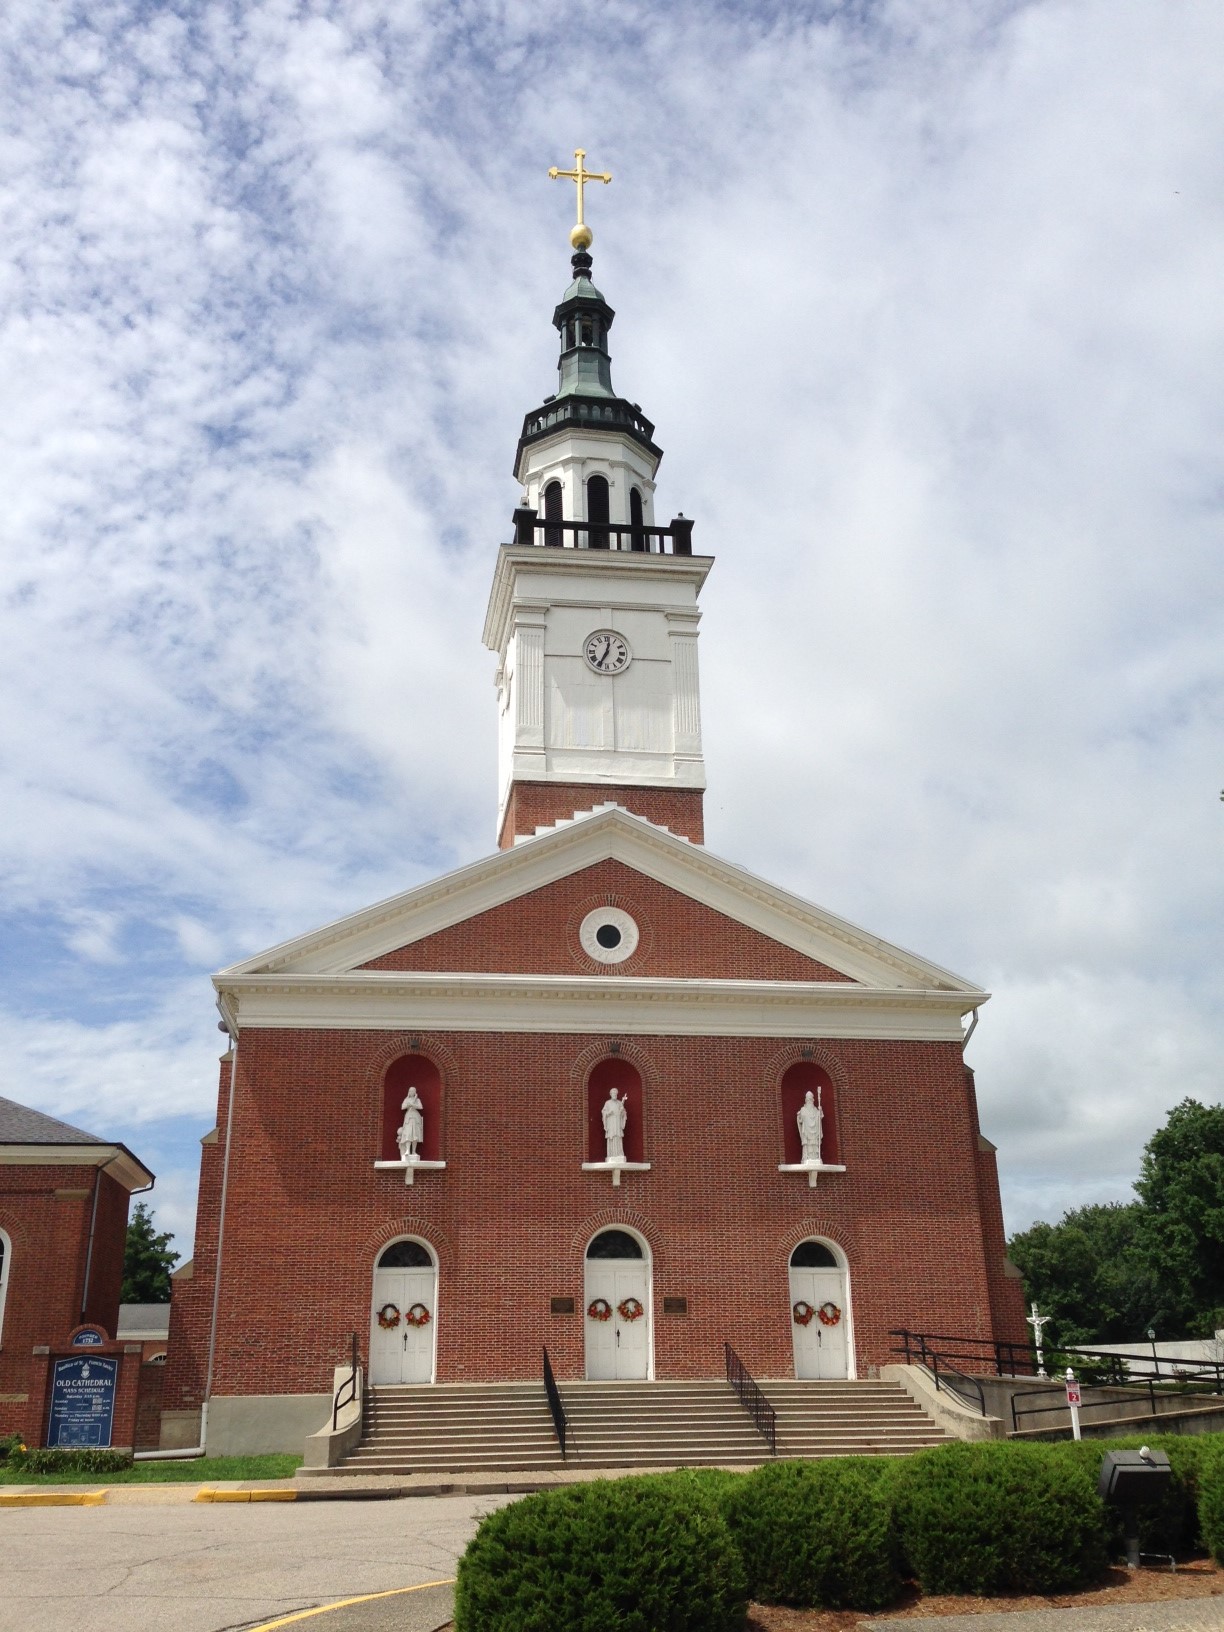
[924, 303]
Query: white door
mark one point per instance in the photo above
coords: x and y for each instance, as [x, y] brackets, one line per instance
[618, 1347]
[820, 1347]
[403, 1352]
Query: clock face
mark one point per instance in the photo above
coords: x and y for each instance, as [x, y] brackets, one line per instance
[607, 652]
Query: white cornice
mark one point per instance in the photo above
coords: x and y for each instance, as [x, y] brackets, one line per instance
[609, 834]
[116, 1159]
[604, 566]
[378, 1000]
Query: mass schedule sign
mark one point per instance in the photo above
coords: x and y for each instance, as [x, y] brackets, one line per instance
[82, 1402]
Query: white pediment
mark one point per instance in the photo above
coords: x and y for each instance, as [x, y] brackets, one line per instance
[610, 833]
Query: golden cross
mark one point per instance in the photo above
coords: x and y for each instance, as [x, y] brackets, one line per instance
[579, 176]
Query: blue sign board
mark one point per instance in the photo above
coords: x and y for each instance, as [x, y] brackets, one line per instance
[90, 1337]
[82, 1402]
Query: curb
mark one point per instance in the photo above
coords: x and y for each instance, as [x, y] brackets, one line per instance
[54, 1498]
[208, 1495]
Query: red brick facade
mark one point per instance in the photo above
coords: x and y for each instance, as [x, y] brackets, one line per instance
[539, 804]
[537, 934]
[46, 1211]
[510, 1217]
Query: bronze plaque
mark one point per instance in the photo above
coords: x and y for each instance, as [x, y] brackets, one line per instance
[675, 1306]
[562, 1306]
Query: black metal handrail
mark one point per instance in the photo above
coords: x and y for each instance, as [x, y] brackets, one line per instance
[1020, 1360]
[355, 1392]
[1113, 1395]
[748, 1392]
[532, 529]
[560, 1421]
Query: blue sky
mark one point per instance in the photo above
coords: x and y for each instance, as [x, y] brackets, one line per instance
[924, 302]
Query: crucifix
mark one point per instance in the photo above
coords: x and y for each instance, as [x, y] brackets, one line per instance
[581, 237]
[1038, 1322]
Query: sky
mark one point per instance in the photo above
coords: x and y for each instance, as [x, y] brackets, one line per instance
[924, 302]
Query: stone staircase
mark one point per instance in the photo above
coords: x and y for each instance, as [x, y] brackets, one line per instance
[507, 1428]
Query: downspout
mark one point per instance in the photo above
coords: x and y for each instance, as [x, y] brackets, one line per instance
[187, 1453]
[972, 1028]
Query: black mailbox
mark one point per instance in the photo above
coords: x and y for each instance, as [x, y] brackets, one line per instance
[1134, 1478]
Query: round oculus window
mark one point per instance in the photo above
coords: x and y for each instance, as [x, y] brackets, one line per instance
[608, 935]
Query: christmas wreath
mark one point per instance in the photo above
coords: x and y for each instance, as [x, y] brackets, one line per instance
[829, 1314]
[802, 1313]
[418, 1315]
[600, 1309]
[388, 1317]
[630, 1309]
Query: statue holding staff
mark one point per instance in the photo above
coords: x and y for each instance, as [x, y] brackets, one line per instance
[615, 1116]
[810, 1117]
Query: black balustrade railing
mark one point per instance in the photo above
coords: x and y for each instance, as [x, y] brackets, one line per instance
[530, 528]
[748, 1392]
[560, 1421]
[350, 1389]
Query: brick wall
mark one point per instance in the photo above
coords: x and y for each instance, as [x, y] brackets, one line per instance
[45, 1211]
[510, 1217]
[539, 804]
[537, 933]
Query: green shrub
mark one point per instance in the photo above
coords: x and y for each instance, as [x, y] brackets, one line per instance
[1211, 1497]
[626, 1555]
[10, 1443]
[817, 1533]
[991, 1518]
[69, 1461]
[1172, 1525]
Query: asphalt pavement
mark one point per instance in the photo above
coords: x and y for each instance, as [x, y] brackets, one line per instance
[196, 1567]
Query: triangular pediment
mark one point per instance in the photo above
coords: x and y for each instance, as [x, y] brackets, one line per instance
[776, 935]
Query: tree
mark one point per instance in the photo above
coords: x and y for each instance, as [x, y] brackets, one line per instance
[1181, 1187]
[147, 1261]
[1108, 1273]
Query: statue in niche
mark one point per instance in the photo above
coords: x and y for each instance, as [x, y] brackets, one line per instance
[615, 1114]
[810, 1117]
[412, 1129]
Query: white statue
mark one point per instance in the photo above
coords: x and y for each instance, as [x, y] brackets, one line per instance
[810, 1117]
[412, 1128]
[615, 1116]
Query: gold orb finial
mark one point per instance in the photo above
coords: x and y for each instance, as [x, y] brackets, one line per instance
[581, 236]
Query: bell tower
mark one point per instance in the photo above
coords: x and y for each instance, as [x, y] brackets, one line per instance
[593, 613]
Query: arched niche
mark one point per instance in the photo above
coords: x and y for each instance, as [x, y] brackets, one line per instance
[799, 1079]
[617, 1073]
[412, 1071]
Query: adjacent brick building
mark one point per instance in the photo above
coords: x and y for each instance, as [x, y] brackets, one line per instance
[417, 1135]
[64, 1200]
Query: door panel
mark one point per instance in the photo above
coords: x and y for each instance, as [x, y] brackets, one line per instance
[617, 1348]
[820, 1351]
[405, 1353]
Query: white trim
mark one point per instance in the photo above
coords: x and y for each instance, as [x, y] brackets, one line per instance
[616, 1169]
[118, 1161]
[609, 833]
[617, 919]
[409, 1168]
[6, 1259]
[383, 1001]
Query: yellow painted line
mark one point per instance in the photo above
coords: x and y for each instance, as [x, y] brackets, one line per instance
[53, 1498]
[345, 1603]
[276, 1495]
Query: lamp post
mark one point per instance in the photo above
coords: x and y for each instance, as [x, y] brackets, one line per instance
[1151, 1333]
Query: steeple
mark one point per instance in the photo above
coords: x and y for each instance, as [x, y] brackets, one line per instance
[593, 613]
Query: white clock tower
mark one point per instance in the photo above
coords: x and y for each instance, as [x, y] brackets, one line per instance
[593, 613]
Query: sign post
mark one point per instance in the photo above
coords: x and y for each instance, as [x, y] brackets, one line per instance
[1073, 1401]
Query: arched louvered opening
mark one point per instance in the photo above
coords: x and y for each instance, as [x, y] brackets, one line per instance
[597, 511]
[636, 520]
[552, 512]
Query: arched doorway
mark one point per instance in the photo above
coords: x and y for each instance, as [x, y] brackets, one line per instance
[617, 1288]
[404, 1315]
[820, 1311]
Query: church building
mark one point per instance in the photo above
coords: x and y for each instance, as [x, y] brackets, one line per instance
[602, 1092]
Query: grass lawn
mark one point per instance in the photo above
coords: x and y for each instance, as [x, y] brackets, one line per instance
[200, 1471]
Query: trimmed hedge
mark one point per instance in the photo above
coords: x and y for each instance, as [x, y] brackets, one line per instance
[69, 1461]
[993, 1517]
[1211, 1497]
[628, 1555]
[817, 1534]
